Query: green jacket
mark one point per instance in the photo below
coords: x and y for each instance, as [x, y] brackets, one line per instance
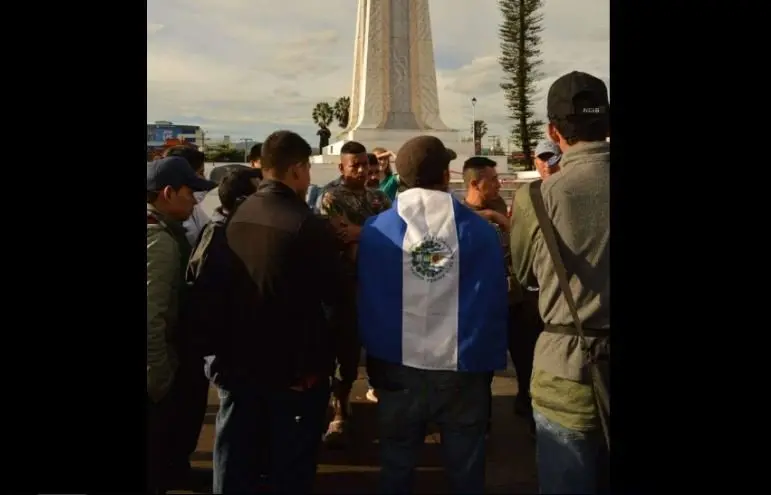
[390, 186]
[167, 253]
[577, 200]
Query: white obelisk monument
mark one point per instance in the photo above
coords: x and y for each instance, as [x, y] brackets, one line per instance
[394, 94]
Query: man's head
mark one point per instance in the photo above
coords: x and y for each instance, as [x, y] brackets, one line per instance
[373, 172]
[354, 164]
[578, 110]
[219, 173]
[195, 158]
[547, 158]
[286, 158]
[424, 162]
[236, 185]
[384, 160]
[481, 179]
[254, 155]
[171, 183]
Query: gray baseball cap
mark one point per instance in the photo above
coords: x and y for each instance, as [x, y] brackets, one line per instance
[548, 146]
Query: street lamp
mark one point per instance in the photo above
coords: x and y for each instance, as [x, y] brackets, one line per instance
[474, 122]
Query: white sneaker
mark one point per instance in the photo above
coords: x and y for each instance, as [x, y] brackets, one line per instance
[371, 395]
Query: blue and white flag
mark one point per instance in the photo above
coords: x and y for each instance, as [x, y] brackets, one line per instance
[432, 286]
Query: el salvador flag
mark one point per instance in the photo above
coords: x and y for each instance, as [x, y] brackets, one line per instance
[432, 286]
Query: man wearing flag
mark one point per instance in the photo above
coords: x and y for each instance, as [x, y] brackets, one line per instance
[432, 317]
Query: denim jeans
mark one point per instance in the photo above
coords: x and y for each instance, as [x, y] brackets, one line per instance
[567, 459]
[271, 432]
[408, 399]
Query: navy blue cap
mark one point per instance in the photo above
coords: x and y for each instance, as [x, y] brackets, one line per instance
[176, 172]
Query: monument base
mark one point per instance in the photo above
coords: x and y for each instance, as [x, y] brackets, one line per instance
[394, 139]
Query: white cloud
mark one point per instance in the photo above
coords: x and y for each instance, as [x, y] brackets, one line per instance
[243, 68]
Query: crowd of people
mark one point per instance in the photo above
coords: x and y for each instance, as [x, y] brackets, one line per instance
[268, 288]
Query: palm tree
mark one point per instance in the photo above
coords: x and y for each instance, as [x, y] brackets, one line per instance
[478, 131]
[481, 127]
[323, 116]
[341, 111]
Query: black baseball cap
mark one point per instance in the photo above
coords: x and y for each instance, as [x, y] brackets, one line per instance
[176, 172]
[422, 160]
[577, 94]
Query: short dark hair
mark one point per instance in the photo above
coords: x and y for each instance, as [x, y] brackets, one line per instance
[474, 165]
[478, 163]
[352, 148]
[194, 157]
[237, 184]
[579, 128]
[423, 161]
[256, 152]
[372, 159]
[281, 150]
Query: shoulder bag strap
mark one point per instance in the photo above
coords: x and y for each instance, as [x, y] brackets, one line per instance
[550, 240]
[601, 396]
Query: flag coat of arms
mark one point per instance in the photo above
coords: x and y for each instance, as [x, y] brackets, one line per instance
[432, 286]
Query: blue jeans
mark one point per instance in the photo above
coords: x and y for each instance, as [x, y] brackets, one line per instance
[567, 459]
[408, 399]
[277, 433]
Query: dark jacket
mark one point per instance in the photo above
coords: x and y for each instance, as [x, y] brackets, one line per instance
[289, 267]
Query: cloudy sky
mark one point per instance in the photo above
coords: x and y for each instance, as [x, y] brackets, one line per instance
[245, 68]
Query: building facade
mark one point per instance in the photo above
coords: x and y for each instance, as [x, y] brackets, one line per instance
[161, 131]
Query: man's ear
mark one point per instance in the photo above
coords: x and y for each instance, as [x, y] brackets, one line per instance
[554, 135]
[167, 193]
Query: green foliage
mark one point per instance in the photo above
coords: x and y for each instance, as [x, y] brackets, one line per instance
[323, 114]
[342, 111]
[520, 40]
[222, 153]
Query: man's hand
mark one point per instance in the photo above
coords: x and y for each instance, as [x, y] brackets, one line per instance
[498, 218]
[385, 154]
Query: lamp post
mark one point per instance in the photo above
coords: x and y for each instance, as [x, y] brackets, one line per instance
[474, 123]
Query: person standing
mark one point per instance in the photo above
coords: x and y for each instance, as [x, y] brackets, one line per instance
[432, 318]
[273, 370]
[547, 158]
[198, 219]
[577, 200]
[347, 207]
[483, 196]
[255, 154]
[171, 184]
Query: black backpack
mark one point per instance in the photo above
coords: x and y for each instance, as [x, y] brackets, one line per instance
[205, 312]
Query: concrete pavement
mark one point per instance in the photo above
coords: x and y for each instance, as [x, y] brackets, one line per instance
[511, 453]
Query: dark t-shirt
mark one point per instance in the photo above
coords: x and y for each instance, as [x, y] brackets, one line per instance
[499, 205]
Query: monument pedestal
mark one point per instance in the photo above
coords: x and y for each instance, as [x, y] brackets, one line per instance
[391, 139]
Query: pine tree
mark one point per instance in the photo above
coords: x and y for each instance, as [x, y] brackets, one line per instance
[520, 40]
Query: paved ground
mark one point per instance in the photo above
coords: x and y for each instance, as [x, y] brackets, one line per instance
[510, 465]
